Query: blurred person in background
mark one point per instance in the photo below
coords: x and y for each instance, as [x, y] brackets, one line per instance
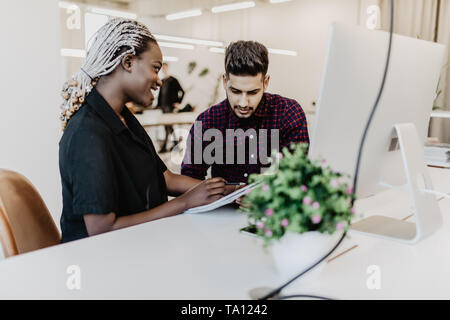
[170, 96]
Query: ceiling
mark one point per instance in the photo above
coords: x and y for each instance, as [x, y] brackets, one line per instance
[157, 8]
[118, 4]
[160, 8]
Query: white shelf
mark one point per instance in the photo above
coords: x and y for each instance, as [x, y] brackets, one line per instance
[440, 114]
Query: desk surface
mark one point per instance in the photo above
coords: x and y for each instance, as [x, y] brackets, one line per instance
[203, 256]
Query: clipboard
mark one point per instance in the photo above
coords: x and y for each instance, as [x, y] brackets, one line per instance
[223, 201]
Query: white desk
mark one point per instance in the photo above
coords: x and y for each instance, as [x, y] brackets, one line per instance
[440, 114]
[205, 257]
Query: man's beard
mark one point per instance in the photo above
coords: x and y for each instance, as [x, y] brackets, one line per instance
[239, 113]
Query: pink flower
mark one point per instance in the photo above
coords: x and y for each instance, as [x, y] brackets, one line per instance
[307, 200]
[260, 225]
[334, 183]
[269, 212]
[279, 155]
[269, 232]
[316, 218]
[323, 160]
[352, 210]
[315, 205]
[349, 190]
[304, 188]
[284, 222]
[265, 187]
[340, 225]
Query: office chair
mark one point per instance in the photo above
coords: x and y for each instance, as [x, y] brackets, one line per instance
[25, 222]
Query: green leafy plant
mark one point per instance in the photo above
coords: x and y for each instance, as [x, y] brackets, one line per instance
[204, 72]
[438, 93]
[299, 195]
[438, 90]
[191, 67]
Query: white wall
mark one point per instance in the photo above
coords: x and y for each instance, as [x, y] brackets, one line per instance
[30, 87]
[300, 25]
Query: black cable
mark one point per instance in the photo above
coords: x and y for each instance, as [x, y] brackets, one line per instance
[366, 129]
[276, 291]
[358, 161]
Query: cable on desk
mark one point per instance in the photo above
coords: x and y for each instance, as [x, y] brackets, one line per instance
[442, 198]
[278, 290]
[358, 161]
[342, 253]
[437, 193]
[445, 195]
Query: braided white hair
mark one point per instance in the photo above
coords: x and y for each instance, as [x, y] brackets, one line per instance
[109, 45]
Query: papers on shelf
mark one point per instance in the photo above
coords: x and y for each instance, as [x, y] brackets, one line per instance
[437, 154]
[223, 201]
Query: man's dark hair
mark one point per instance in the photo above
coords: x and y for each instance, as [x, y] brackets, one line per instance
[246, 58]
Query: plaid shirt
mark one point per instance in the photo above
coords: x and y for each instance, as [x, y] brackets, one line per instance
[273, 112]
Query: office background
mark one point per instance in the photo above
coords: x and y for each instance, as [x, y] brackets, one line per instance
[35, 66]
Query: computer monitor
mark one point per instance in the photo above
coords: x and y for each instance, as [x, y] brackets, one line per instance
[352, 75]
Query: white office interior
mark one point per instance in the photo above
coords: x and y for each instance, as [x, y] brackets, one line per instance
[44, 43]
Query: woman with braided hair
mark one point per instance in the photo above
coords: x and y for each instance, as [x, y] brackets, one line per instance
[111, 175]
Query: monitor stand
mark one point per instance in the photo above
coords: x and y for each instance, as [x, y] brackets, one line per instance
[425, 206]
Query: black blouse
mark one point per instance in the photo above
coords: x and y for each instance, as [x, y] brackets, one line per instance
[106, 167]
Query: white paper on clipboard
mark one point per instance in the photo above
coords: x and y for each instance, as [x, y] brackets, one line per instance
[223, 201]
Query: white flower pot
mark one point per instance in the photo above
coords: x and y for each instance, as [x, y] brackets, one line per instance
[295, 253]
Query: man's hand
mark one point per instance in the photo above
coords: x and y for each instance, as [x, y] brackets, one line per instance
[239, 200]
[241, 205]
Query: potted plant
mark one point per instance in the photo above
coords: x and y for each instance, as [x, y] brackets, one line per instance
[300, 207]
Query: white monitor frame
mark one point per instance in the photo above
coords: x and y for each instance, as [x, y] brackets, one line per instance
[352, 76]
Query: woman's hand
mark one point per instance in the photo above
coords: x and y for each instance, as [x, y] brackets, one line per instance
[232, 188]
[205, 192]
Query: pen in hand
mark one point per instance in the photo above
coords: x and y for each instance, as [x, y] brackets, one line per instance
[234, 183]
